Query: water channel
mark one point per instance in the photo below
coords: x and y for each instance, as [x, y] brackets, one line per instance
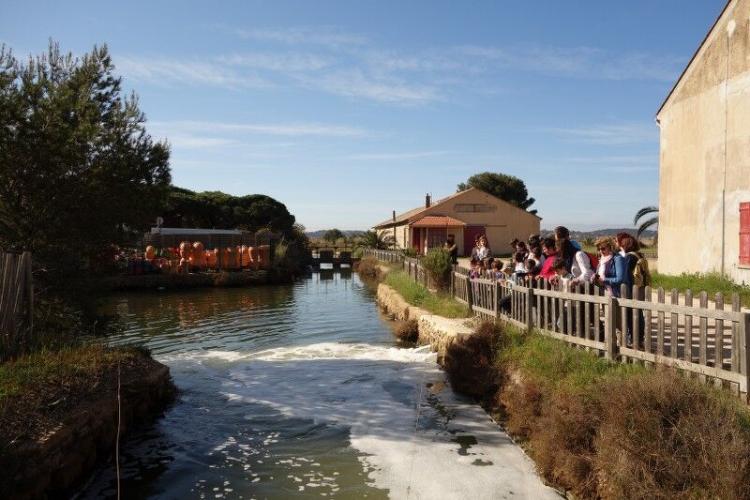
[301, 391]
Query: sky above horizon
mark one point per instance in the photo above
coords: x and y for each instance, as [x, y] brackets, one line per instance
[345, 111]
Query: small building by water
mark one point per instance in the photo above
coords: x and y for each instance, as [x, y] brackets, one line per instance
[465, 215]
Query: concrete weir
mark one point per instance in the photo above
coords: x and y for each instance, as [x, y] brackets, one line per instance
[437, 331]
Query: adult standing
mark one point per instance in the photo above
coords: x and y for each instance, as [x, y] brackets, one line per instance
[577, 262]
[451, 247]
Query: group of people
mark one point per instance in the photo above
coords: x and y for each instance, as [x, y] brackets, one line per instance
[563, 262]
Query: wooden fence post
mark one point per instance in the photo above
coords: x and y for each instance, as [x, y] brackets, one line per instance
[495, 299]
[469, 293]
[744, 354]
[610, 328]
[529, 308]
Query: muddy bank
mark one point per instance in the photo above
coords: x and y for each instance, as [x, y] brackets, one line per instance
[58, 428]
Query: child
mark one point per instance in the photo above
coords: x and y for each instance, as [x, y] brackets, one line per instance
[476, 271]
[530, 266]
[497, 271]
[518, 262]
[562, 275]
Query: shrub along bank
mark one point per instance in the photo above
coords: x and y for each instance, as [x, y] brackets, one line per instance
[606, 430]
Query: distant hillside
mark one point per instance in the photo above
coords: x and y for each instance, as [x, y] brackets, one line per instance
[319, 234]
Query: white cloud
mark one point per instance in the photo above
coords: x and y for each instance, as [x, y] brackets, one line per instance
[327, 37]
[283, 62]
[196, 142]
[281, 129]
[627, 133]
[396, 156]
[577, 62]
[164, 71]
[356, 83]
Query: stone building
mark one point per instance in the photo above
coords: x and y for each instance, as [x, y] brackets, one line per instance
[465, 214]
[704, 166]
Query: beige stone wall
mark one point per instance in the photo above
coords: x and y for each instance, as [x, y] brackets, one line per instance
[705, 154]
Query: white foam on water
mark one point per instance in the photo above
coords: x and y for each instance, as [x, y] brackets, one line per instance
[408, 434]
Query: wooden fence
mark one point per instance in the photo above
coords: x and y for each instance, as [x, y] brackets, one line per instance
[16, 303]
[392, 256]
[688, 332]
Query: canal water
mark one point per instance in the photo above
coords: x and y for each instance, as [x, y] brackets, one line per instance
[301, 391]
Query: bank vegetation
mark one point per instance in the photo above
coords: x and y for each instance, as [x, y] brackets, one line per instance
[599, 429]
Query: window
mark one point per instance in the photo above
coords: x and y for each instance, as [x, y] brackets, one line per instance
[474, 207]
[745, 234]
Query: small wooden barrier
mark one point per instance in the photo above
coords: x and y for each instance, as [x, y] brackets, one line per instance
[390, 256]
[16, 303]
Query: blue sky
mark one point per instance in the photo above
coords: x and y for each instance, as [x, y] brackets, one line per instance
[347, 110]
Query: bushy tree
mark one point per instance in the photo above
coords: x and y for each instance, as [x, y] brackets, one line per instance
[78, 172]
[333, 235]
[506, 187]
[373, 239]
[217, 210]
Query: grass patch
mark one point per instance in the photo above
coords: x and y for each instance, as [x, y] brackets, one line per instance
[37, 390]
[550, 362]
[712, 283]
[417, 295]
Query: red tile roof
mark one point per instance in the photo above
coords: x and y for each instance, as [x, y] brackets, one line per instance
[438, 221]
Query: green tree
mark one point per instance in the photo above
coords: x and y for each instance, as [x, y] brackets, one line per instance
[373, 239]
[78, 172]
[217, 210]
[506, 187]
[333, 235]
[648, 223]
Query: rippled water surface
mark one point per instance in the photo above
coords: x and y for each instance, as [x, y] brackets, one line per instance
[300, 391]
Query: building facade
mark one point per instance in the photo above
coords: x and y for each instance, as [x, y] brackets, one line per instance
[465, 215]
[704, 164]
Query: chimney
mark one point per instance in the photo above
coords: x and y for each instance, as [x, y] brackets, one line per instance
[427, 200]
[394, 216]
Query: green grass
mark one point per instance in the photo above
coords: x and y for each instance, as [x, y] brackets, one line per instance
[712, 283]
[553, 362]
[417, 295]
[67, 367]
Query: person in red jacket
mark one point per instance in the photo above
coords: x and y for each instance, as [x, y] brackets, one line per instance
[550, 253]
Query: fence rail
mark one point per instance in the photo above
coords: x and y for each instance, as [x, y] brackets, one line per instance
[683, 331]
[392, 256]
[16, 303]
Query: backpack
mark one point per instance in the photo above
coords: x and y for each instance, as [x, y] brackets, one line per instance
[641, 273]
[593, 260]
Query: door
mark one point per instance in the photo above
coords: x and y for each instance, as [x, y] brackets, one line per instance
[437, 237]
[470, 234]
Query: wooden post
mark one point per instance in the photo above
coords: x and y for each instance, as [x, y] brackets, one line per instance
[469, 293]
[529, 308]
[495, 297]
[744, 354]
[29, 293]
[610, 329]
